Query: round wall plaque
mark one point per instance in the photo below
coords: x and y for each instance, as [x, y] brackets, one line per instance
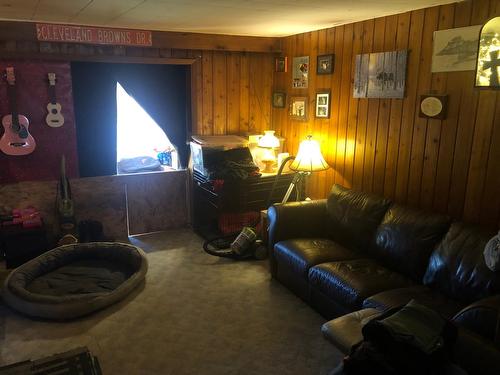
[433, 106]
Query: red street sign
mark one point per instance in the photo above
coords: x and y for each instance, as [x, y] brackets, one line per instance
[49, 32]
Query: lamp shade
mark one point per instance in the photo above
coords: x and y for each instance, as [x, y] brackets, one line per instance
[269, 140]
[309, 158]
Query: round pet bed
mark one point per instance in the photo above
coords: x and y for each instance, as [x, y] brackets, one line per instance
[75, 280]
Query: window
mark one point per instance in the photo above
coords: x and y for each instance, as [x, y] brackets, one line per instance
[137, 133]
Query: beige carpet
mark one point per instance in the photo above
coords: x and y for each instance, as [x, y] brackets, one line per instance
[196, 314]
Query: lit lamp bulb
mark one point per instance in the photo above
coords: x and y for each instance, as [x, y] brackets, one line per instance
[268, 142]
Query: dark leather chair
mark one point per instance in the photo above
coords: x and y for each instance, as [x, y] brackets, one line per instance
[354, 251]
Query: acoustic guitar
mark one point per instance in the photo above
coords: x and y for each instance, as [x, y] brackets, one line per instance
[16, 139]
[54, 117]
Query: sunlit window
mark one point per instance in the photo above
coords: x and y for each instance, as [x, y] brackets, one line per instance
[137, 133]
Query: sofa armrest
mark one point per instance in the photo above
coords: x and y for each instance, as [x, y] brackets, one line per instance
[305, 219]
[475, 354]
[482, 317]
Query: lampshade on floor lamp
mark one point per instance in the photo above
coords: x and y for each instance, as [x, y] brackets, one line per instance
[308, 160]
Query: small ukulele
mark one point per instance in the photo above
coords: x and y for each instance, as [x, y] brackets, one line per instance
[54, 117]
[16, 139]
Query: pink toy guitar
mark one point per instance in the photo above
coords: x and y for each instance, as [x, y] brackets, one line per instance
[16, 140]
[54, 117]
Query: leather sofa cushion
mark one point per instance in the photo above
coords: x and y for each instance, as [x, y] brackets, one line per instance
[353, 217]
[301, 254]
[482, 317]
[421, 294]
[457, 266]
[349, 283]
[406, 238]
[345, 331]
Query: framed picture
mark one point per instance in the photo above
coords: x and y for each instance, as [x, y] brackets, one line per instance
[281, 64]
[324, 64]
[298, 108]
[380, 75]
[323, 104]
[488, 58]
[300, 73]
[455, 49]
[279, 99]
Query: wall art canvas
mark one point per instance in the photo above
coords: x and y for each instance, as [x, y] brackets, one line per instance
[455, 49]
[380, 75]
[300, 72]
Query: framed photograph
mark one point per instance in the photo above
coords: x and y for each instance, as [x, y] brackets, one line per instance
[279, 99]
[298, 108]
[300, 73]
[323, 104]
[455, 49]
[281, 64]
[324, 64]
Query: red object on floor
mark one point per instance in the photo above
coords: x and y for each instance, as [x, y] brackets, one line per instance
[230, 222]
[26, 217]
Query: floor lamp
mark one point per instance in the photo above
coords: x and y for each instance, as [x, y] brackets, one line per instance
[308, 160]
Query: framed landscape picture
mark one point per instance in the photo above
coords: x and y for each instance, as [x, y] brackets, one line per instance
[324, 64]
[380, 75]
[455, 49]
[323, 104]
[298, 108]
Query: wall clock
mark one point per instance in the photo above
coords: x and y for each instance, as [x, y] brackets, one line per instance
[433, 106]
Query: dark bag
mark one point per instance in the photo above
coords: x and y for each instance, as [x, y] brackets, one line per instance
[411, 340]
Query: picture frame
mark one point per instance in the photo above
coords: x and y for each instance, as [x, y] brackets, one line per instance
[279, 99]
[300, 72]
[325, 64]
[455, 49]
[298, 108]
[380, 75]
[323, 104]
[281, 64]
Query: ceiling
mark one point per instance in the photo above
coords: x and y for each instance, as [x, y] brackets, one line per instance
[235, 17]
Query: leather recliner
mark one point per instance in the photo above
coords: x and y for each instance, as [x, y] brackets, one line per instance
[356, 250]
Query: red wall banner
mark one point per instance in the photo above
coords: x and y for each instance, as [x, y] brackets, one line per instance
[49, 32]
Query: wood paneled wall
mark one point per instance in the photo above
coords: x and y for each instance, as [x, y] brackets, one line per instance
[382, 145]
[231, 92]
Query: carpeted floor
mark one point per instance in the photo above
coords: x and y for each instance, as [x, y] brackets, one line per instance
[196, 314]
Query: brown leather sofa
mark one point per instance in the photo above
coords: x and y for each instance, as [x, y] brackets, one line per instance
[355, 251]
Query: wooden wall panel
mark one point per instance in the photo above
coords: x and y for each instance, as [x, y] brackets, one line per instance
[382, 145]
[235, 93]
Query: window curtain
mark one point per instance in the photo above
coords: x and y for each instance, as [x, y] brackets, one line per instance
[94, 96]
[160, 89]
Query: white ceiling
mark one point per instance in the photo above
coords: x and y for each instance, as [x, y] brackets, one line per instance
[236, 17]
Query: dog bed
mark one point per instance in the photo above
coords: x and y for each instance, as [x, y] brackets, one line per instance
[75, 280]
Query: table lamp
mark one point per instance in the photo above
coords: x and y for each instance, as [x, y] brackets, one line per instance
[308, 160]
[269, 142]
